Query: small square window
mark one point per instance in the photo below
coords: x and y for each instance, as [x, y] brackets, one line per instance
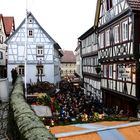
[30, 33]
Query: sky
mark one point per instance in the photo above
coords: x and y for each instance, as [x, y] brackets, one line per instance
[63, 20]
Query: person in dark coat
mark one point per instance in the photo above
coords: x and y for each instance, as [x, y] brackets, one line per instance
[14, 75]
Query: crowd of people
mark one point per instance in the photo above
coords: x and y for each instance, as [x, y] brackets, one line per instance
[77, 105]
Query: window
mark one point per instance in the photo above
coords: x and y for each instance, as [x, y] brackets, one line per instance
[108, 4]
[101, 40]
[66, 71]
[83, 43]
[1, 39]
[94, 38]
[30, 20]
[1, 55]
[110, 71]
[107, 37]
[30, 32]
[125, 31]
[21, 70]
[40, 70]
[116, 34]
[105, 70]
[40, 51]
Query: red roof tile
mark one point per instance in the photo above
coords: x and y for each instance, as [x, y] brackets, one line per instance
[68, 57]
[134, 4]
[8, 24]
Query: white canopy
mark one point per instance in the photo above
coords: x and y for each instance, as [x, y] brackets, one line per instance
[42, 111]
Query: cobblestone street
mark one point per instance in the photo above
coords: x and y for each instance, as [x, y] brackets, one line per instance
[3, 120]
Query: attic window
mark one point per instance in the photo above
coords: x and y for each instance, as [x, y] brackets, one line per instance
[30, 33]
[30, 20]
[108, 4]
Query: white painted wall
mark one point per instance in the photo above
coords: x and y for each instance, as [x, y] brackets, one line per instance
[4, 91]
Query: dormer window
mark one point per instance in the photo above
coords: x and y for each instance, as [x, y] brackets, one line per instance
[108, 4]
[30, 32]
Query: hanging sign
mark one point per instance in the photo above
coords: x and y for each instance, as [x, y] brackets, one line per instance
[124, 72]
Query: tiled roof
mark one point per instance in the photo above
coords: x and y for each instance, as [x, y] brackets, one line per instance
[68, 57]
[134, 4]
[8, 24]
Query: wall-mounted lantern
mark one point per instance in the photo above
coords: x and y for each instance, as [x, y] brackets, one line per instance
[98, 69]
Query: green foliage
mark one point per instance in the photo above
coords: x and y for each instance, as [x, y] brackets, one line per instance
[56, 105]
[28, 124]
[44, 100]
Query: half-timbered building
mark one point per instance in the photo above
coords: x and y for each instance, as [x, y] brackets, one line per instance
[90, 66]
[7, 26]
[42, 52]
[118, 23]
[78, 72]
[68, 64]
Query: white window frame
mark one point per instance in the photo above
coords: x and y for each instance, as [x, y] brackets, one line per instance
[107, 37]
[21, 70]
[40, 50]
[105, 71]
[101, 40]
[125, 30]
[110, 71]
[30, 32]
[116, 34]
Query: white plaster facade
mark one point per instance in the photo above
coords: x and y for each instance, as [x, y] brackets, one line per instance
[41, 51]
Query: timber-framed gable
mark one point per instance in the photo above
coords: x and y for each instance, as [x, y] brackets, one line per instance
[42, 52]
